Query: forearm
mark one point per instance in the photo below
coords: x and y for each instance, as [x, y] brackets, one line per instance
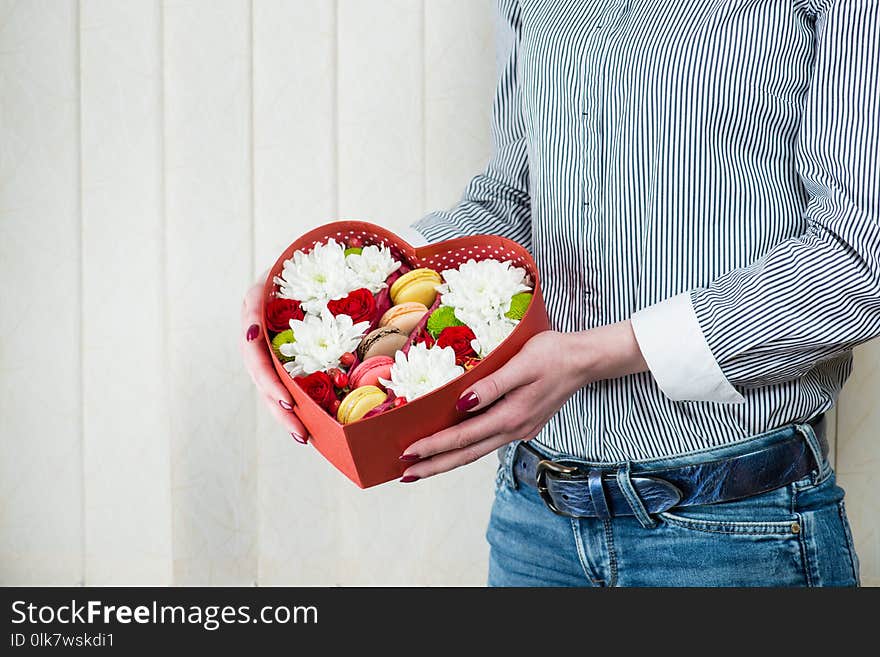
[811, 297]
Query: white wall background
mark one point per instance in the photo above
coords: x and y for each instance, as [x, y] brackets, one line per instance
[154, 158]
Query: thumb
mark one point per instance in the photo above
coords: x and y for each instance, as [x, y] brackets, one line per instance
[491, 388]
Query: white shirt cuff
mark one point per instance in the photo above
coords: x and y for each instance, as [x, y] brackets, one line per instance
[414, 237]
[677, 354]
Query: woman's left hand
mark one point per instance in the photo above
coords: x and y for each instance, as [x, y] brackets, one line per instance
[521, 396]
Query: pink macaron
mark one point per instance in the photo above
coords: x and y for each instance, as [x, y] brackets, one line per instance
[370, 371]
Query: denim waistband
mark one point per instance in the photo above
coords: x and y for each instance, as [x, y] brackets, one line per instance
[811, 432]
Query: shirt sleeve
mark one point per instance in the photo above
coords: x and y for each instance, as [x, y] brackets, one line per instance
[809, 298]
[497, 200]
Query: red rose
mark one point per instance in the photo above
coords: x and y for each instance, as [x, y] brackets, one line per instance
[459, 338]
[279, 312]
[359, 305]
[319, 387]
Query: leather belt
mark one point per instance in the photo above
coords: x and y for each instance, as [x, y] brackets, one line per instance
[581, 491]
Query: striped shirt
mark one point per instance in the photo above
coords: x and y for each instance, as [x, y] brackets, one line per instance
[707, 168]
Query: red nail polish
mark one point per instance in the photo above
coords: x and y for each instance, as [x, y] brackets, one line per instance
[408, 479]
[253, 332]
[285, 405]
[409, 458]
[467, 402]
[300, 439]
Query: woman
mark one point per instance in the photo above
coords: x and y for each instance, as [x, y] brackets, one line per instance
[698, 184]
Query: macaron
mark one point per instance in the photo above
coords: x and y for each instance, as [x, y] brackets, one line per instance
[404, 316]
[385, 341]
[369, 371]
[416, 285]
[358, 403]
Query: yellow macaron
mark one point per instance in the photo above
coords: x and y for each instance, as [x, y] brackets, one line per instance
[416, 285]
[404, 316]
[359, 402]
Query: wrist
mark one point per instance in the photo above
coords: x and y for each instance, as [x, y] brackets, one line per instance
[607, 352]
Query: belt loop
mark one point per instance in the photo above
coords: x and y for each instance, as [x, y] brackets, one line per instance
[597, 495]
[632, 497]
[812, 440]
[508, 462]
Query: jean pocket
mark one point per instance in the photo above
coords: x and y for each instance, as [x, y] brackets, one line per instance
[789, 528]
[767, 514]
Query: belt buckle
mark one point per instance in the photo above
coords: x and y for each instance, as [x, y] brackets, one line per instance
[544, 466]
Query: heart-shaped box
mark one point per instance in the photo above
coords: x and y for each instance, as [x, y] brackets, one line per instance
[367, 451]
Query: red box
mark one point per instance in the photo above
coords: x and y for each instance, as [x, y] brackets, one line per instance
[367, 451]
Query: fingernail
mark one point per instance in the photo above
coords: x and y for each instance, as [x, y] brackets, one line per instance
[467, 402]
[302, 440]
[252, 332]
[409, 458]
[408, 479]
[285, 405]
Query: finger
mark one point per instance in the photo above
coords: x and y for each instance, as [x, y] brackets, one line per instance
[264, 375]
[491, 388]
[260, 366]
[289, 421]
[256, 354]
[450, 460]
[461, 435]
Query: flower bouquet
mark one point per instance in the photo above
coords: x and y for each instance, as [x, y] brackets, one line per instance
[376, 340]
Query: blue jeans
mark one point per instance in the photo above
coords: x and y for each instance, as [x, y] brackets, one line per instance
[797, 535]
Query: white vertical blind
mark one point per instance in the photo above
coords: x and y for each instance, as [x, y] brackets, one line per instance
[155, 157]
[125, 437]
[209, 237]
[41, 474]
[295, 185]
[459, 80]
[380, 107]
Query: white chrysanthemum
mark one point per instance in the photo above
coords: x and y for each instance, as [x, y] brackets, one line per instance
[317, 277]
[481, 291]
[488, 335]
[372, 266]
[421, 371]
[321, 341]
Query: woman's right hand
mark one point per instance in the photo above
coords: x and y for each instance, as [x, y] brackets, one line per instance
[258, 362]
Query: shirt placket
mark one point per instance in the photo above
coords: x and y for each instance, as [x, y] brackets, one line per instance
[594, 85]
